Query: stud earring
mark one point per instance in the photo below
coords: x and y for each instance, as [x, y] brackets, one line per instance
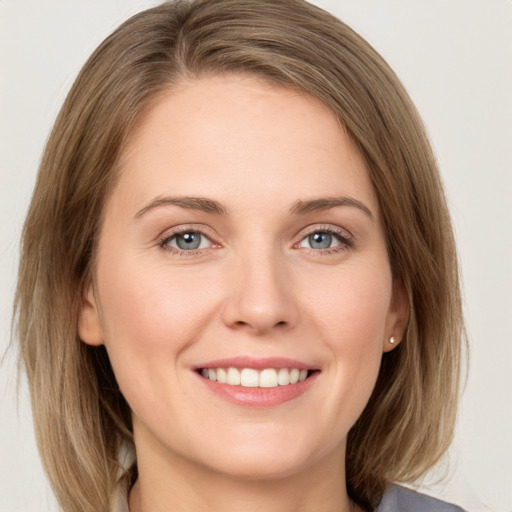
[392, 340]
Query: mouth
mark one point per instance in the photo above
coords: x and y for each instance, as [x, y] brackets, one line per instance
[256, 378]
[257, 382]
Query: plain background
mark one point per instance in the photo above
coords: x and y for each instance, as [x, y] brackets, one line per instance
[454, 57]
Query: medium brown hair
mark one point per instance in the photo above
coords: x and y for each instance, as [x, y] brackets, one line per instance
[81, 418]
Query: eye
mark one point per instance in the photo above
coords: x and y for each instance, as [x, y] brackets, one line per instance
[320, 240]
[186, 241]
[324, 240]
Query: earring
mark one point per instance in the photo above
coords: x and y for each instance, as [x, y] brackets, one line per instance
[392, 340]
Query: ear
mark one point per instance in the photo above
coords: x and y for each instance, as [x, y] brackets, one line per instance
[89, 325]
[398, 316]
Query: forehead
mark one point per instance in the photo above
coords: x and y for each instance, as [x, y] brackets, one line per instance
[226, 135]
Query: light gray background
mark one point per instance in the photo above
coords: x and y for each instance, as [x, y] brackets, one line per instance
[455, 58]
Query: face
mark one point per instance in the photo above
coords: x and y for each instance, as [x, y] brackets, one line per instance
[242, 285]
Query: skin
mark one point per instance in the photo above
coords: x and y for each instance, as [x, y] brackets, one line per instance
[255, 287]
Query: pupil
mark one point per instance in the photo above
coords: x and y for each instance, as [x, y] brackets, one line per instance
[188, 241]
[320, 240]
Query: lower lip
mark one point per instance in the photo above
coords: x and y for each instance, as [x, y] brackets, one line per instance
[259, 397]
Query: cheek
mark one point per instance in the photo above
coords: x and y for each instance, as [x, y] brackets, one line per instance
[147, 305]
[352, 306]
[149, 321]
[351, 315]
[149, 315]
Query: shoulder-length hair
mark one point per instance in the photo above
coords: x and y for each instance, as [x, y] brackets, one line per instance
[81, 418]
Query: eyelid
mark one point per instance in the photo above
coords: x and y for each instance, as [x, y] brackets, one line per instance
[345, 237]
[168, 234]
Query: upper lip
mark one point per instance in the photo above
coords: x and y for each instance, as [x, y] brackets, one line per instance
[257, 363]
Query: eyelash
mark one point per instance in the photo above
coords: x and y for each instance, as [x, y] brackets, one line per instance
[344, 238]
[166, 239]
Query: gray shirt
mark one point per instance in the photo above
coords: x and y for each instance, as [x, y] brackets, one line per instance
[400, 499]
[396, 499]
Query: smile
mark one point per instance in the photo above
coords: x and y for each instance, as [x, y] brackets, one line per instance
[253, 378]
[257, 382]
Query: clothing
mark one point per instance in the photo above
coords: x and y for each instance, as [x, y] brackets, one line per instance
[396, 499]
[400, 499]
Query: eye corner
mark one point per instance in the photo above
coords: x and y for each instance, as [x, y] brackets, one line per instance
[195, 241]
[327, 235]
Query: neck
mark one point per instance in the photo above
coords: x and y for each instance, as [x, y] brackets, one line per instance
[178, 485]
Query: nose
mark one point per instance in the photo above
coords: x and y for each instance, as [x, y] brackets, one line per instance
[260, 296]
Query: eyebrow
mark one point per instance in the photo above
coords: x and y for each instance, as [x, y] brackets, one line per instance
[325, 203]
[202, 204]
[300, 207]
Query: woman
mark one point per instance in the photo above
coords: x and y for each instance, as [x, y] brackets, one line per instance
[238, 286]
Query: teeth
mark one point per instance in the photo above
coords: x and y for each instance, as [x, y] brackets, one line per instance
[283, 377]
[268, 378]
[251, 378]
[221, 375]
[233, 377]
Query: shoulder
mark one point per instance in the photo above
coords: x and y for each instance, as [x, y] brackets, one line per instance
[400, 499]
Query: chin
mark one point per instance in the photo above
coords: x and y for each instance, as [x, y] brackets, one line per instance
[265, 457]
[260, 466]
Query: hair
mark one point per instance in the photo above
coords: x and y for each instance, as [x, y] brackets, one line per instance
[82, 420]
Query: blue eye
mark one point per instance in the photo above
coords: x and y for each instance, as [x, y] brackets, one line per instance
[187, 241]
[322, 240]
